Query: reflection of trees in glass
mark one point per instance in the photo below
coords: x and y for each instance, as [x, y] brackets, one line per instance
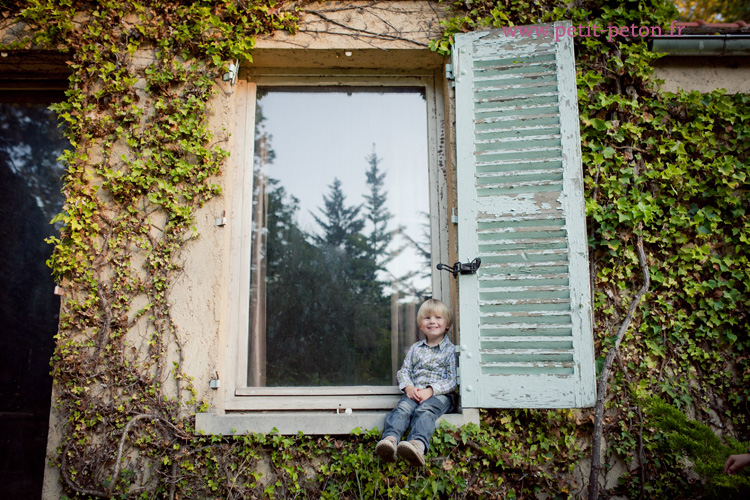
[341, 223]
[377, 213]
[327, 319]
[30, 195]
[30, 143]
[409, 283]
[326, 295]
[263, 153]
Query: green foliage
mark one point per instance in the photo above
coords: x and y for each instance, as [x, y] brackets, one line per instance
[672, 168]
[143, 160]
[513, 458]
[713, 11]
[698, 443]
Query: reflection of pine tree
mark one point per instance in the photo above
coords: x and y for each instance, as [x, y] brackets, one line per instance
[378, 255]
[284, 235]
[307, 304]
[377, 213]
[342, 222]
[328, 321]
[342, 236]
[322, 316]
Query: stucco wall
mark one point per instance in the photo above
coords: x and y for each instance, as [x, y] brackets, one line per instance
[384, 25]
[704, 73]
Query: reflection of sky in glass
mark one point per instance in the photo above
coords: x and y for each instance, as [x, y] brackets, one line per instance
[319, 136]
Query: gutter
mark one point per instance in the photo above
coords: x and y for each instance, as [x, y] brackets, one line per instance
[703, 45]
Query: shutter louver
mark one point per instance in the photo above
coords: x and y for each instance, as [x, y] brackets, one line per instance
[525, 317]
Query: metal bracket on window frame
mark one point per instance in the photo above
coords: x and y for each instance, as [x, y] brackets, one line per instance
[231, 74]
[461, 268]
[221, 221]
[449, 71]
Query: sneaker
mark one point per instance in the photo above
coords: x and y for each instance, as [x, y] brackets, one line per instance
[411, 451]
[386, 450]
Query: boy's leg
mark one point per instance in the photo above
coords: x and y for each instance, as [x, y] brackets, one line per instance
[425, 415]
[398, 419]
[396, 422]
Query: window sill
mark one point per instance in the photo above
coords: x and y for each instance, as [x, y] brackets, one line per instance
[307, 422]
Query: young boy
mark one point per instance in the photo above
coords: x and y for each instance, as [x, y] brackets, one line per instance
[428, 379]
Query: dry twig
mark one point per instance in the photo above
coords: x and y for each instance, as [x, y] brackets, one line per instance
[603, 378]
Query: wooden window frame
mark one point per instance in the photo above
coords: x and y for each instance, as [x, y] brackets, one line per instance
[240, 397]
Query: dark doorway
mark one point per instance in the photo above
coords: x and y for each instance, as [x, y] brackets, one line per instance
[30, 195]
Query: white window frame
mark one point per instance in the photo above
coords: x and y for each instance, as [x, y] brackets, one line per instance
[240, 397]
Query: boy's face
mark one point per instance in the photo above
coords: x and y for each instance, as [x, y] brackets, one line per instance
[433, 326]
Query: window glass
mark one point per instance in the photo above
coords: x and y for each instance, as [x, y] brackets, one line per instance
[340, 246]
[30, 196]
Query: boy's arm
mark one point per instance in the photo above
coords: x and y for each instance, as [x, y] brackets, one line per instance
[404, 374]
[447, 384]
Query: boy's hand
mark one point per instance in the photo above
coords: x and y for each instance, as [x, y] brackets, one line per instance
[425, 394]
[418, 395]
[412, 393]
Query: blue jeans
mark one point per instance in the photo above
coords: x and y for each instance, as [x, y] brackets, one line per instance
[421, 417]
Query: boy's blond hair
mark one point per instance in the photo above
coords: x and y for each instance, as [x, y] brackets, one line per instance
[434, 306]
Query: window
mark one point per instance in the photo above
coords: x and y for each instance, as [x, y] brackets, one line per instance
[30, 196]
[336, 235]
[524, 318]
[340, 204]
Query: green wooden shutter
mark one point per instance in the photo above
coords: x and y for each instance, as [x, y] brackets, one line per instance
[525, 317]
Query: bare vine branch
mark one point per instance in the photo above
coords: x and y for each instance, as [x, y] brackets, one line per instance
[604, 377]
[352, 31]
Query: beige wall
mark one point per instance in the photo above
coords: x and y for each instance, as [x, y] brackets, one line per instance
[704, 73]
[384, 25]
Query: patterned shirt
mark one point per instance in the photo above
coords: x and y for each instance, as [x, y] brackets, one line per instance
[433, 366]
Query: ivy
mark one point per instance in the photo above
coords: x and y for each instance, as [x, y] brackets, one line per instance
[671, 168]
[698, 446]
[142, 160]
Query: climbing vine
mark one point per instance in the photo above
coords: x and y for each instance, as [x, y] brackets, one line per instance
[142, 161]
[670, 170]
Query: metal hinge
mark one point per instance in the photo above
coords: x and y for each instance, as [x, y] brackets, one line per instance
[221, 221]
[449, 71]
[231, 74]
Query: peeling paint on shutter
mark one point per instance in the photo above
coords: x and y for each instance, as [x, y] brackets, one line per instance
[525, 317]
